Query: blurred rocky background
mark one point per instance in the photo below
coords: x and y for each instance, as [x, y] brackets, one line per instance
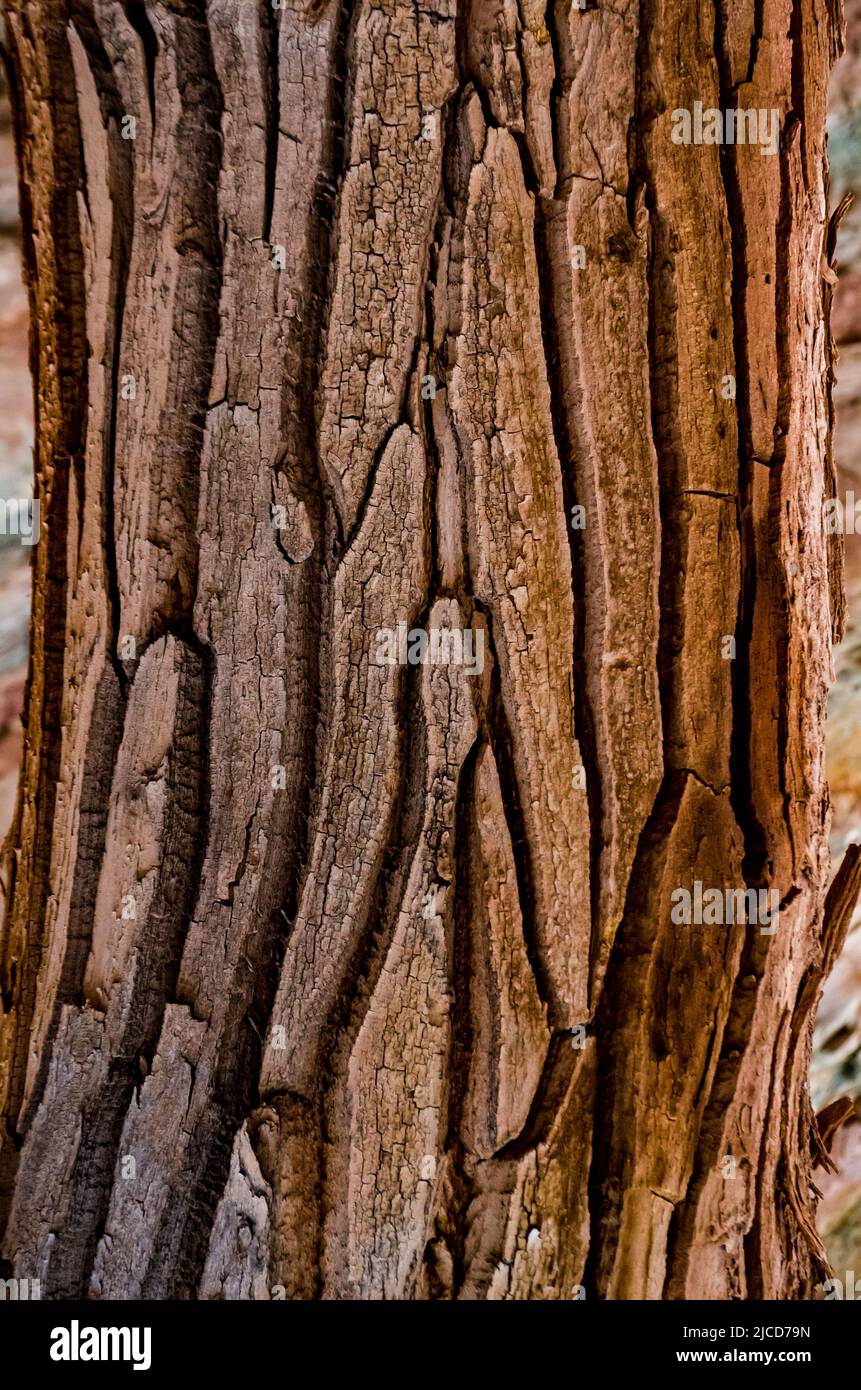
[837, 1045]
[837, 1059]
[16, 467]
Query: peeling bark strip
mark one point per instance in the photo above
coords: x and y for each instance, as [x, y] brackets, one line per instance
[335, 963]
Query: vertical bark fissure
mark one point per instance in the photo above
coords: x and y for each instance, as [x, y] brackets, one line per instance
[607, 1176]
[793, 131]
[445, 1222]
[362, 974]
[43, 725]
[564, 438]
[751, 964]
[741, 793]
[200, 90]
[499, 732]
[836, 545]
[502, 743]
[300, 406]
[122, 197]
[271, 29]
[327, 221]
[138, 18]
[159, 954]
[105, 737]
[663, 385]
[450, 1222]
[450, 206]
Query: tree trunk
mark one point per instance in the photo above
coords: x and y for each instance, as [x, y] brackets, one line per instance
[327, 971]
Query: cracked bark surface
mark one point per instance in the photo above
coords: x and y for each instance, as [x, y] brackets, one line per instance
[327, 977]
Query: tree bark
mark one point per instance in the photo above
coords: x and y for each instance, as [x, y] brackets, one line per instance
[324, 975]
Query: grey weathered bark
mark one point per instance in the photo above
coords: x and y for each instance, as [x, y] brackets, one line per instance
[327, 976]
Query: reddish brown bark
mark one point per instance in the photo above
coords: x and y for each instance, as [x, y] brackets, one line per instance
[323, 976]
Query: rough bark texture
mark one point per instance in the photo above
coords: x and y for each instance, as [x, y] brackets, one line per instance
[328, 977]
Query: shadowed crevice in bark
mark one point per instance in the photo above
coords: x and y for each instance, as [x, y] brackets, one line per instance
[559, 1067]
[793, 134]
[60, 441]
[836, 544]
[198, 240]
[607, 1177]
[300, 457]
[180, 1249]
[158, 951]
[503, 747]
[107, 728]
[738, 235]
[564, 391]
[663, 359]
[448, 1227]
[756, 866]
[270, 24]
[712, 1141]
[361, 977]
[123, 213]
[663, 375]
[139, 20]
